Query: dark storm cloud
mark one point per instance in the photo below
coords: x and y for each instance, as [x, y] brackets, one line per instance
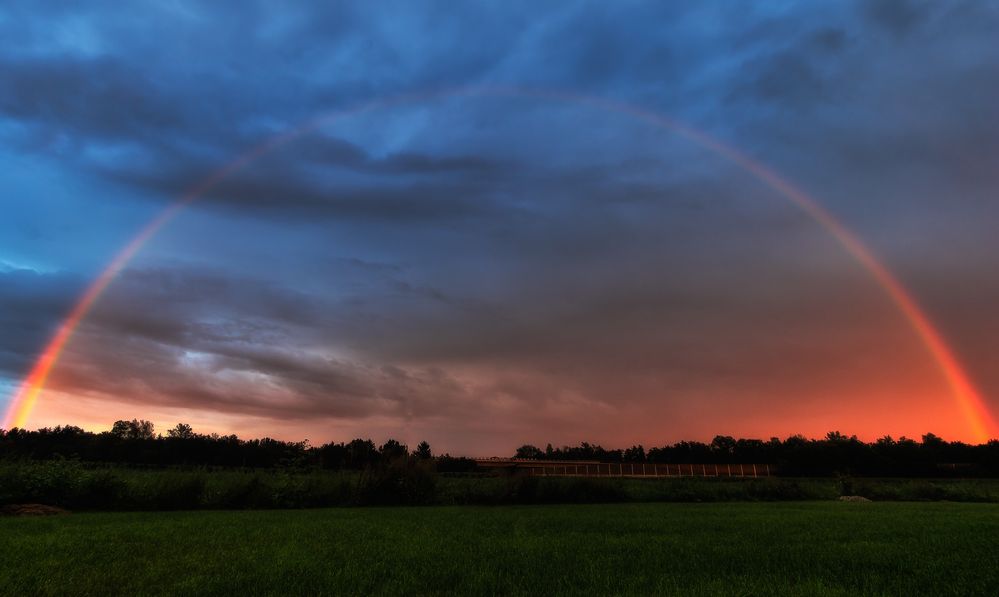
[242, 345]
[210, 76]
[31, 306]
[796, 78]
[180, 126]
[897, 94]
[301, 183]
[483, 259]
[180, 120]
[99, 98]
[897, 16]
[163, 336]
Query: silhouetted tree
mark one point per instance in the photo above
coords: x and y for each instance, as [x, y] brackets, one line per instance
[135, 443]
[634, 454]
[361, 453]
[836, 436]
[134, 429]
[528, 451]
[181, 431]
[393, 450]
[723, 445]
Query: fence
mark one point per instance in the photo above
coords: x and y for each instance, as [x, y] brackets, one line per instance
[638, 469]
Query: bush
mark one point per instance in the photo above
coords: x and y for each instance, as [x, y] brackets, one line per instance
[406, 481]
[241, 493]
[100, 490]
[173, 491]
[51, 482]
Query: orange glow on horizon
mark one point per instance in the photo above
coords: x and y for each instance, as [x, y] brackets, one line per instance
[977, 416]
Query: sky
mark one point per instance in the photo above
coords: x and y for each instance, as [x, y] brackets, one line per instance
[481, 250]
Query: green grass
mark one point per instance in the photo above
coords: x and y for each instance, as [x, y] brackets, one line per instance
[689, 549]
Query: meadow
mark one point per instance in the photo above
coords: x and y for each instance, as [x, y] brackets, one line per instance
[822, 548]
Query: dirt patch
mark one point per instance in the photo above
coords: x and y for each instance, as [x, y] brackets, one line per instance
[30, 510]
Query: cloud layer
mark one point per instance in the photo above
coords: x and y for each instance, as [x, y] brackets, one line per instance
[485, 270]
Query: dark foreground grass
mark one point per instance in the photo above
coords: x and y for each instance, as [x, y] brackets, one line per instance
[689, 549]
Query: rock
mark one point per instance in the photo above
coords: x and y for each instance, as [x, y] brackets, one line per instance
[853, 498]
[30, 510]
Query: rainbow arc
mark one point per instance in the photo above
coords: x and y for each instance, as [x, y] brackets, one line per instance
[979, 419]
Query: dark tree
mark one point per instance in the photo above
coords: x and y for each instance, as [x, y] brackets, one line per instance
[724, 445]
[361, 453]
[135, 443]
[529, 451]
[181, 431]
[134, 429]
[393, 450]
[634, 454]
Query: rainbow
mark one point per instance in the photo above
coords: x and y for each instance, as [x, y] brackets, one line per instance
[968, 398]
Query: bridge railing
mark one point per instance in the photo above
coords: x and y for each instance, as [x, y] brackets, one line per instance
[628, 469]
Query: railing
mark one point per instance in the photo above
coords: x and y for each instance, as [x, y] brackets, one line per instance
[639, 469]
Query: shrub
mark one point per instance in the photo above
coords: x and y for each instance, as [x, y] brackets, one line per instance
[52, 482]
[406, 481]
[176, 491]
[100, 490]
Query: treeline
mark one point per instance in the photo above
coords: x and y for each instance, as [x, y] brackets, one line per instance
[799, 456]
[136, 443]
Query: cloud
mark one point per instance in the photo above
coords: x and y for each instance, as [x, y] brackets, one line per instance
[209, 340]
[99, 97]
[510, 260]
[31, 306]
[897, 16]
[182, 337]
[328, 177]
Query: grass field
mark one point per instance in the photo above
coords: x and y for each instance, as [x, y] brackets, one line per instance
[690, 549]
